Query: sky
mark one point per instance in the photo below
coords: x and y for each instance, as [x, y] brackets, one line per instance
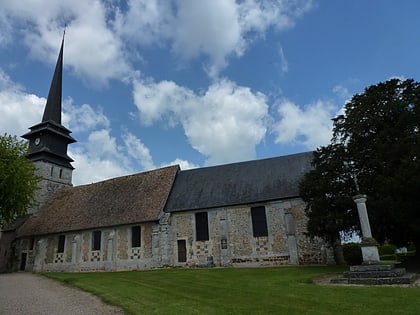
[150, 83]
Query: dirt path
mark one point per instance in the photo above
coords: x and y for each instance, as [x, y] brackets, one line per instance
[31, 294]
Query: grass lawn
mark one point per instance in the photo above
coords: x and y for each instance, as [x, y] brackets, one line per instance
[282, 290]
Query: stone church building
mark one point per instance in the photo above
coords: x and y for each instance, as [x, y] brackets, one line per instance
[240, 214]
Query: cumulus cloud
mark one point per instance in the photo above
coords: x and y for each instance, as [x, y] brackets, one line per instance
[101, 33]
[222, 28]
[144, 22]
[96, 53]
[310, 126]
[18, 109]
[91, 169]
[224, 124]
[137, 150]
[84, 117]
[209, 28]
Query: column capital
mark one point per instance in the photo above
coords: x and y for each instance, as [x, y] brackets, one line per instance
[359, 198]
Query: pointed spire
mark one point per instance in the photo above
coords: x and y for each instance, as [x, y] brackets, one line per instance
[53, 107]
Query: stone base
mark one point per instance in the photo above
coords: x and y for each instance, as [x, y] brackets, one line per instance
[370, 253]
[376, 275]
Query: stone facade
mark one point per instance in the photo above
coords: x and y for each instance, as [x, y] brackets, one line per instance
[115, 251]
[230, 243]
[53, 177]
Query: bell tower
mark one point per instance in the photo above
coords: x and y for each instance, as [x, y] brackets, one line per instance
[48, 142]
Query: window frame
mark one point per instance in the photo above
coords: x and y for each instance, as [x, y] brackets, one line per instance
[202, 226]
[96, 240]
[136, 236]
[61, 244]
[259, 221]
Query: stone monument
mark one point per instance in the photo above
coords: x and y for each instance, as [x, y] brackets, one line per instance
[369, 246]
[371, 271]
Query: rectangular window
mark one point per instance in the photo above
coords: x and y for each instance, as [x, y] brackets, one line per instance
[96, 240]
[259, 221]
[135, 236]
[61, 243]
[201, 226]
[31, 244]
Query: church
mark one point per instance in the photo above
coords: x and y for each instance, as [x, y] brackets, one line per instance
[239, 214]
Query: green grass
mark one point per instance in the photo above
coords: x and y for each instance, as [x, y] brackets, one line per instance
[282, 290]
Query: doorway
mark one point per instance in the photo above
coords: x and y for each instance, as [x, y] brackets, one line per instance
[182, 251]
[23, 261]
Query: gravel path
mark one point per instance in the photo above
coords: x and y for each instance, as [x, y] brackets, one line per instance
[31, 294]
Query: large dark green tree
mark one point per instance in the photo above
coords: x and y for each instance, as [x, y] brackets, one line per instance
[18, 181]
[377, 140]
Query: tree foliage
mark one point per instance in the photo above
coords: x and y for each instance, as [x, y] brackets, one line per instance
[378, 141]
[18, 181]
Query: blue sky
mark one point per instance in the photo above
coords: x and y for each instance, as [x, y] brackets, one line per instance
[150, 83]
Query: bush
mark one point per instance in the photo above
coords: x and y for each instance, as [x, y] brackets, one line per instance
[352, 254]
[387, 249]
[388, 257]
[403, 257]
[411, 247]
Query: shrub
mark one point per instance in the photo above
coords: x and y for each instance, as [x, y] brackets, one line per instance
[352, 254]
[388, 257]
[411, 247]
[386, 249]
[387, 252]
[403, 257]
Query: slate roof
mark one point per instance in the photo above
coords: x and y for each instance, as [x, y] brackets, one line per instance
[124, 200]
[239, 183]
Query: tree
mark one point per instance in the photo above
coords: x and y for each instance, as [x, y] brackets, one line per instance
[377, 140]
[18, 181]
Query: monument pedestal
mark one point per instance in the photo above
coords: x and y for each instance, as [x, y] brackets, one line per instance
[372, 272]
[370, 253]
[376, 275]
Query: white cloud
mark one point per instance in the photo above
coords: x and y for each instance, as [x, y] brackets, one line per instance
[284, 65]
[224, 124]
[95, 53]
[183, 164]
[83, 118]
[310, 126]
[145, 22]
[18, 110]
[97, 158]
[341, 91]
[209, 28]
[222, 28]
[159, 100]
[138, 151]
[90, 169]
[100, 34]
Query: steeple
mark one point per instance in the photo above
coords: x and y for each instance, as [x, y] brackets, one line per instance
[53, 107]
[48, 140]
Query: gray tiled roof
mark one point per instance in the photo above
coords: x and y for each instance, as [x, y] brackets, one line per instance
[123, 200]
[239, 183]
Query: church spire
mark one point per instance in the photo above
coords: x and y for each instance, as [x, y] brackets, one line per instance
[49, 139]
[53, 107]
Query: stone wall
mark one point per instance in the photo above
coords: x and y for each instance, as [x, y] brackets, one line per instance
[116, 252]
[231, 241]
[54, 177]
